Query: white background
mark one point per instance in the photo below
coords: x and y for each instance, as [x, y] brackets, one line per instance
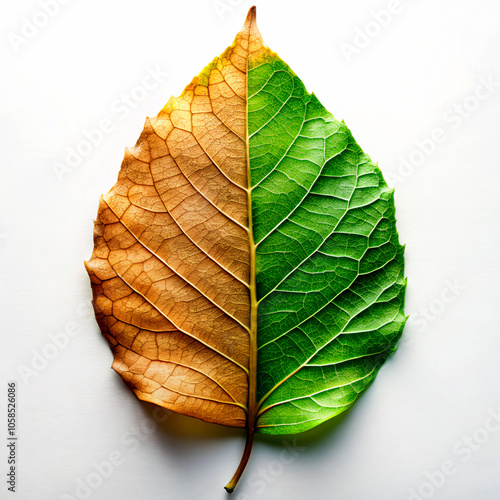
[411, 78]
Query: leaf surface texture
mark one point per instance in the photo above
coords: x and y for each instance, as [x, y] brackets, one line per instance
[247, 269]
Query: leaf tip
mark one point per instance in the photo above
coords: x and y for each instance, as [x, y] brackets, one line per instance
[251, 32]
[251, 16]
[251, 23]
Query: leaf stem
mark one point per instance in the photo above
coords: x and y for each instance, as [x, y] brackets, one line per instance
[252, 368]
[244, 459]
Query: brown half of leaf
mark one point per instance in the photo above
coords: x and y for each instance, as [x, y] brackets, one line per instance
[173, 265]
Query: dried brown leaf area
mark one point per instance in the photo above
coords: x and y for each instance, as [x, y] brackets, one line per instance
[170, 269]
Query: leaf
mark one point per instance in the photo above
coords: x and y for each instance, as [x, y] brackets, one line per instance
[247, 269]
